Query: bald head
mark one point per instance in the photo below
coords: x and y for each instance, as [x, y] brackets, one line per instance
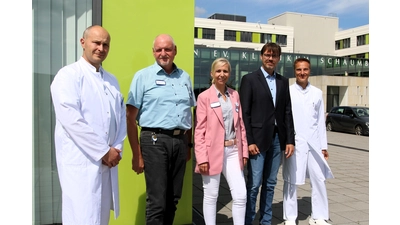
[95, 28]
[164, 51]
[164, 38]
[96, 44]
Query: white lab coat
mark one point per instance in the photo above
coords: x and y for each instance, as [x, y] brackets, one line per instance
[82, 112]
[310, 133]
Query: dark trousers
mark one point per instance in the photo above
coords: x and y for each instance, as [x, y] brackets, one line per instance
[164, 170]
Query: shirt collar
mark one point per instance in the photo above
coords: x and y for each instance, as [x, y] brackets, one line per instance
[92, 68]
[219, 93]
[174, 68]
[266, 74]
[300, 88]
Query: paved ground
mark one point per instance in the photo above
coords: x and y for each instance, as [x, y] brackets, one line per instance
[348, 192]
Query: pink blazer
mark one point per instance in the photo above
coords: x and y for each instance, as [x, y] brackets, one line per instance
[209, 130]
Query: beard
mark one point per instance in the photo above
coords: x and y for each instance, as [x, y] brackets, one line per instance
[164, 61]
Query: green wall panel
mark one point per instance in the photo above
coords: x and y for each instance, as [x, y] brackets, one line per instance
[200, 33]
[133, 25]
[256, 37]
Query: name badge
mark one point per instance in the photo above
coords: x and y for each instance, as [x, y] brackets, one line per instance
[215, 104]
[160, 82]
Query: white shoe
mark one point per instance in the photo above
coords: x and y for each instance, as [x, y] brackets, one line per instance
[318, 222]
[288, 222]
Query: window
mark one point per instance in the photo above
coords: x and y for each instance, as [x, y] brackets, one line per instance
[346, 43]
[360, 56]
[266, 38]
[337, 45]
[56, 29]
[229, 35]
[208, 33]
[281, 40]
[348, 112]
[343, 43]
[196, 32]
[245, 36]
[339, 110]
[361, 40]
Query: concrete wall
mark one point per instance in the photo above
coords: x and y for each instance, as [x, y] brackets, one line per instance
[306, 33]
[353, 91]
[352, 34]
[313, 34]
[221, 25]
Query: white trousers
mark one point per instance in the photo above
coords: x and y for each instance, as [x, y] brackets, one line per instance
[106, 196]
[319, 197]
[235, 178]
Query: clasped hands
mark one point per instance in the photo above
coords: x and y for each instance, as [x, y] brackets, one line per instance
[112, 157]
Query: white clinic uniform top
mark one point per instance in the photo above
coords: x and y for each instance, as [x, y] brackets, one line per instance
[82, 138]
[310, 133]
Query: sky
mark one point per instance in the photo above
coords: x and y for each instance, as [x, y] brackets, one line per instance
[351, 13]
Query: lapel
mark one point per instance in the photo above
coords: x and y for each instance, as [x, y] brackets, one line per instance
[279, 86]
[235, 106]
[263, 82]
[214, 99]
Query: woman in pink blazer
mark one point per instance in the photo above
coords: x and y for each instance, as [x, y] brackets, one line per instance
[220, 143]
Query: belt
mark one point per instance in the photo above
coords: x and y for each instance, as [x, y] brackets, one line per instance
[172, 132]
[230, 142]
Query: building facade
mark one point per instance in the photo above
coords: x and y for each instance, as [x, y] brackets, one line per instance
[339, 59]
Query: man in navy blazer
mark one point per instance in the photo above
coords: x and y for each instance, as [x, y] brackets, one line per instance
[267, 115]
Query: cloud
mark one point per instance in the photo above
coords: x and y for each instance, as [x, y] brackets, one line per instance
[199, 11]
[345, 6]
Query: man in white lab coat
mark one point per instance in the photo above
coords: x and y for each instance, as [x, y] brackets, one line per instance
[309, 159]
[89, 134]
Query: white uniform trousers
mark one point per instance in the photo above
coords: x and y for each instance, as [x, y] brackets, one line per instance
[235, 178]
[106, 196]
[319, 197]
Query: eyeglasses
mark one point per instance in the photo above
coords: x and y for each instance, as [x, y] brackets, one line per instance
[274, 56]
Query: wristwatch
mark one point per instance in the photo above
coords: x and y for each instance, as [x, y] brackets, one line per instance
[190, 145]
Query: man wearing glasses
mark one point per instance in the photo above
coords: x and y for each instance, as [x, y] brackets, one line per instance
[267, 115]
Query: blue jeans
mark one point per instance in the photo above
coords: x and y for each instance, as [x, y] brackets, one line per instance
[262, 169]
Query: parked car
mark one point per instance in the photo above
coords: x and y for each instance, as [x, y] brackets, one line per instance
[352, 119]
